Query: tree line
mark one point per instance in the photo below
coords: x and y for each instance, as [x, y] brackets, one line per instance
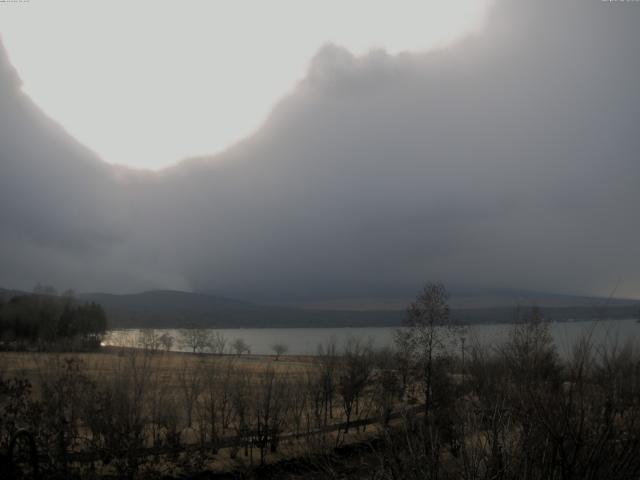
[191, 337]
[45, 318]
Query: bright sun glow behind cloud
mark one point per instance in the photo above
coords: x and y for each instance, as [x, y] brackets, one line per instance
[150, 82]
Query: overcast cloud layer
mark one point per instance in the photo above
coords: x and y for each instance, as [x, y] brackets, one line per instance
[510, 160]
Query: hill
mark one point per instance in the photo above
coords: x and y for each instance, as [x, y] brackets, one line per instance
[166, 308]
[478, 299]
[174, 308]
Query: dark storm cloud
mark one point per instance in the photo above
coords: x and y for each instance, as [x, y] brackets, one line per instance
[508, 160]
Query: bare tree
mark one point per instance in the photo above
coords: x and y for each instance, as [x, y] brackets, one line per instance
[270, 407]
[327, 359]
[300, 404]
[314, 387]
[242, 413]
[166, 341]
[196, 338]
[354, 377]
[190, 380]
[149, 339]
[404, 363]
[240, 346]
[218, 343]
[120, 411]
[208, 404]
[387, 388]
[428, 324]
[530, 350]
[279, 349]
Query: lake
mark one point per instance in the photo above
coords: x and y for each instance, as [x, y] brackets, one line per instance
[304, 341]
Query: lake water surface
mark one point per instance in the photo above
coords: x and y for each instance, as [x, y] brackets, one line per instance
[305, 341]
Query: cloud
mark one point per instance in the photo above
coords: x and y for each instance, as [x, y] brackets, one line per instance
[510, 159]
[64, 213]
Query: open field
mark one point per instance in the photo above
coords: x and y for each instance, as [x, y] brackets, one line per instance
[109, 360]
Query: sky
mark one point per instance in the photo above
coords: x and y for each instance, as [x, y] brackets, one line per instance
[149, 83]
[508, 158]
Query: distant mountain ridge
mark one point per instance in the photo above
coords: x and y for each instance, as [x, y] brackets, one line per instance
[167, 298]
[173, 309]
[170, 309]
[6, 294]
[466, 300]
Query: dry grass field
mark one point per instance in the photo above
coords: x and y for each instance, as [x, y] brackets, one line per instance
[35, 365]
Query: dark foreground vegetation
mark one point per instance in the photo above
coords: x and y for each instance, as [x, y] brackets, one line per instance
[437, 406]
